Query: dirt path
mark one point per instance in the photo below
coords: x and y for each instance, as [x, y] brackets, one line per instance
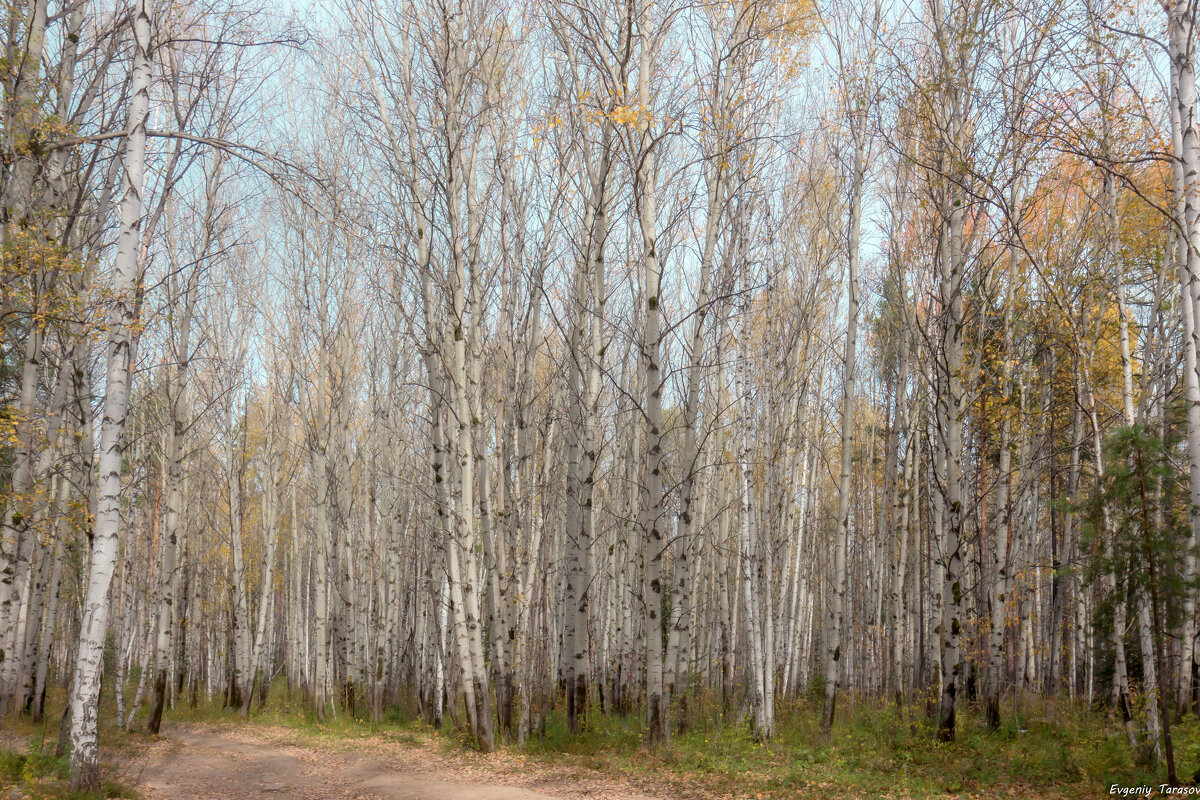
[208, 763]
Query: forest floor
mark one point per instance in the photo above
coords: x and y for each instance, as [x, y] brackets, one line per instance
[222, 763]
[232, 761]
[1053, 750]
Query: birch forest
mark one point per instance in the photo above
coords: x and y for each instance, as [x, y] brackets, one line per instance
[508, 367]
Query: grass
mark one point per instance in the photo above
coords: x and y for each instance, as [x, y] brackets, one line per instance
[1052, 749]
[42, 776]
[878, 750]
[1043, 749]
[295, 713]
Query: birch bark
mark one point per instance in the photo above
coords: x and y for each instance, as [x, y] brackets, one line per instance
[85, 694]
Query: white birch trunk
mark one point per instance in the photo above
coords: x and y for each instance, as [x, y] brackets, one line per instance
[85, 693]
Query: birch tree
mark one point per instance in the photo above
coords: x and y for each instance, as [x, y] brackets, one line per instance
[85, 693]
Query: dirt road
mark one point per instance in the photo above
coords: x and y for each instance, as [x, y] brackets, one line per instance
[202, 763]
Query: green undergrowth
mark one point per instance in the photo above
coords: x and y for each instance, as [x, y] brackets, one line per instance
[42, 776]
[1043, 749]
[29, 764]
[877, 750]
[293, 711]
